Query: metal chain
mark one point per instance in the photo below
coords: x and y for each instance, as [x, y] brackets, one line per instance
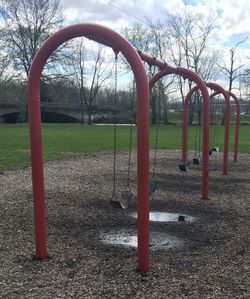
[156, 134]
[129, 157]
[156, 148]
[114, 195]
[211, 125]
[217, 122]
[199, 135]
[116, 72]
[196, 127]
[214, 123]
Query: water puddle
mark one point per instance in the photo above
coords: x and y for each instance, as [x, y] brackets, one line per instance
[128, 238]
[167, 217]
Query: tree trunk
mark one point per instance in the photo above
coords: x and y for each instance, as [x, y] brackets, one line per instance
[89, 117]
[82, 112]
[191, 113]
[165, 113]
[153, 109]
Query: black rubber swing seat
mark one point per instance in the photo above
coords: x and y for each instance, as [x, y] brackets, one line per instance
[125, 199]
[152, 186]
[196, 161]
[215, 149]
[183, 167]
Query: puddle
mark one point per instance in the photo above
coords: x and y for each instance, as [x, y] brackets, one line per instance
[167, 217]
[128, 238]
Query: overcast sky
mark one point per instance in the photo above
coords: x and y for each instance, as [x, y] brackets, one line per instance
[233, 15]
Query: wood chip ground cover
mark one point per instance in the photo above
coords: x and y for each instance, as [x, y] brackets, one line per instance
[213, 263]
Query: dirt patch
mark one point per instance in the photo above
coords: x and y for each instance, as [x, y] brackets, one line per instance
[213, 261]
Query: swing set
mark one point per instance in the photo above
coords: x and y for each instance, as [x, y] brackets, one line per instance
[192, 76]
[126, 195]
[114, 40]
[135, 59]
[197, 143]
[217, 90]
[214, 132]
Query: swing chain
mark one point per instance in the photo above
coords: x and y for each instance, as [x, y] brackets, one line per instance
[155, 149]
[114, 195]
[217, 121]
[129, 158]
[157, 132]
[116, 74]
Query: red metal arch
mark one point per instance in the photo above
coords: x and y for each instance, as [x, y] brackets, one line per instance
[237, 122]
[118, 43]
[185, 73]
[218, 89]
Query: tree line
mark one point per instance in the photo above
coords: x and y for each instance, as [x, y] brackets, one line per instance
[84, 73]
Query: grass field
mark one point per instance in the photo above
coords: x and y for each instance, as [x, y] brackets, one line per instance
[176, 118]
[63, 140]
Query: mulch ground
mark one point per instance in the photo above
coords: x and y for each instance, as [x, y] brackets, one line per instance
[214, 261]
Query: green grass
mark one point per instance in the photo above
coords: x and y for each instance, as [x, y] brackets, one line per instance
[63, 140]
[176, 117]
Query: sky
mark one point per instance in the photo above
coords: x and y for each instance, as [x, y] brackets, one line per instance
[232, 25]
[233, 16]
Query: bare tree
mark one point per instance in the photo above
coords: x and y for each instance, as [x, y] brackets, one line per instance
[189, 38]
[158, 99]
[6, 75]
[232, 72]
[245, 88]
[28, 23]
[152, 39]
[189, 35]
[139, 37]
[76, 62]
[91, 71]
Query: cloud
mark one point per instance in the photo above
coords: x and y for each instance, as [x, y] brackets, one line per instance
[114, 12]
[94, 10]
[232, 16]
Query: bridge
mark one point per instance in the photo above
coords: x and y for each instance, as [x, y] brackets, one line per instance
[15, 111]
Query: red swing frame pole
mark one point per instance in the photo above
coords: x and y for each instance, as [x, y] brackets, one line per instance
[237, 124]
[185, 123]
[110, 38]
[216, 87]
[185, 73]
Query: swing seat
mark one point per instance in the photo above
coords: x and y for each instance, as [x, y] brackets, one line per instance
[152, 186]
[196, 161]
[184, 166]
[125, 199]
[215, 149]
[115, 203]
[181, 218]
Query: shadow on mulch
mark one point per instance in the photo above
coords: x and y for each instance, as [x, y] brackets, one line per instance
[192, 184]
[82, 228]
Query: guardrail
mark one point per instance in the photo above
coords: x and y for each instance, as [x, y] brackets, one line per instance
[61, 105]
